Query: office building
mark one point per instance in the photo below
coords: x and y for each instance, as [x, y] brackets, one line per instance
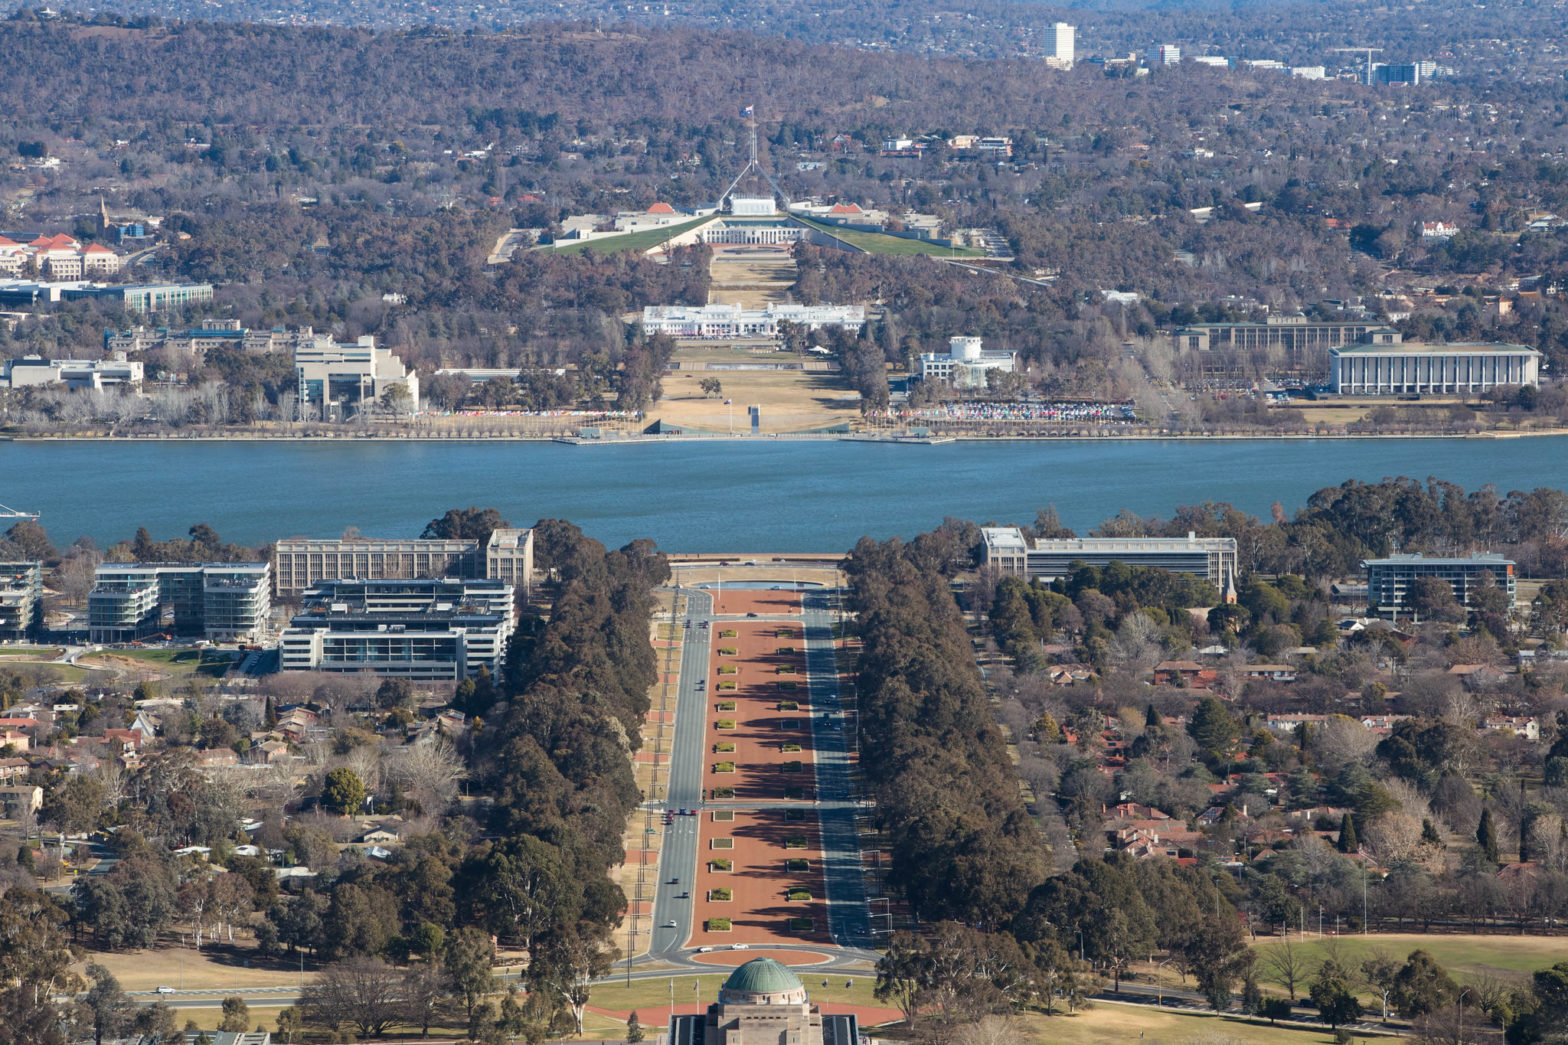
[718, 321]
[1212, 558]
[74, 374]
[763, 1003]
[196, 342]
[1169, 54]
[1291, 333]
[134, 297]
[331, 377]
[1060, 50]
[21, 599]
[965, 364]
[427, 629]
[222, 601]
[300, 563]
[1389, 580]
[1417, 369]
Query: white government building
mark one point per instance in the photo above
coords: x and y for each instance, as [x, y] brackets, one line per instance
[718, 322]
[329, 373]
[965, 364]
[1416, 369]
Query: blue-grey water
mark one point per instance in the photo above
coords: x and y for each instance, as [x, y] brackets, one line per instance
[707, 496]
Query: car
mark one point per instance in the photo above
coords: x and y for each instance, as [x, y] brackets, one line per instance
[740, 946]
[675, 881]
[704, 950]
[688, 624]
[165, 990]
[684, 896]
[671, 925]
[751, 614]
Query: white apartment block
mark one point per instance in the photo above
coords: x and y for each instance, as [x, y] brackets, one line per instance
[301, 563]
[436, 629]
[223, 601]
[723, 322]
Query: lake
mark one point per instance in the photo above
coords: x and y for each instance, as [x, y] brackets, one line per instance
[707, 495]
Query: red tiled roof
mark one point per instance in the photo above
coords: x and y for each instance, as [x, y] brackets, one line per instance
[661, 208]
[97, 248]
[845, 208]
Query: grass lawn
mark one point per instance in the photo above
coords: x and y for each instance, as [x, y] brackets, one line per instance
[1109, 1021]
[1463, 956]
[189, 969]
[877, 243]
[175, 662]
[633, 240]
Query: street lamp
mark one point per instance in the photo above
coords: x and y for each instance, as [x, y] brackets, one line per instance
[1462, 1015]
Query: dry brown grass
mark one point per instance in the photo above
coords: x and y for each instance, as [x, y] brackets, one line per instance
[205, 970]
[791, 400]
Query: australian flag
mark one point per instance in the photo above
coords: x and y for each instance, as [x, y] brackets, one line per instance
[750, 110]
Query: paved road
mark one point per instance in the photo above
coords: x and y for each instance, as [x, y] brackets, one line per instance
[683, 789]
[678, 859]
[849, 921]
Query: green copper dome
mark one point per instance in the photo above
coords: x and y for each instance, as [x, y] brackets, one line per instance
[763, 976]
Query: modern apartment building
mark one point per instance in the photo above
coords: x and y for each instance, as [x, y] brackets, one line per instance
[300, 563]
[21, 599]
[224, 601]
[1389, 579]
[1213, 558]
[1418, 369]
[427, 629]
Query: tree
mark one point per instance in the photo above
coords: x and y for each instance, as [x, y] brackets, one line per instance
[634, 1032]
[360, 992]
[467, 960]
[109, 1006]
[710, 386]
[1432, 598]
[1275, 1009]
[1285, 963]
[1381, 970]
[571, 959]
[1486, 836]
[1422, 986]
[425, 987]
[1347, 834]
[35, 965]
[236, 1015]
[343, 792]
[1213, 727]
[474, 524]
[290, 1023]
[1332, 996]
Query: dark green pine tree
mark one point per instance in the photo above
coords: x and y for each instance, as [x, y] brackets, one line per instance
[1348, 843]
[1486, 836]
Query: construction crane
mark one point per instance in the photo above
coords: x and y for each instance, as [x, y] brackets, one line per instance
[12, 513]
[1361, 50]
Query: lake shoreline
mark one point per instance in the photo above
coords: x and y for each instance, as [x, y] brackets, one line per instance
[784, 437]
